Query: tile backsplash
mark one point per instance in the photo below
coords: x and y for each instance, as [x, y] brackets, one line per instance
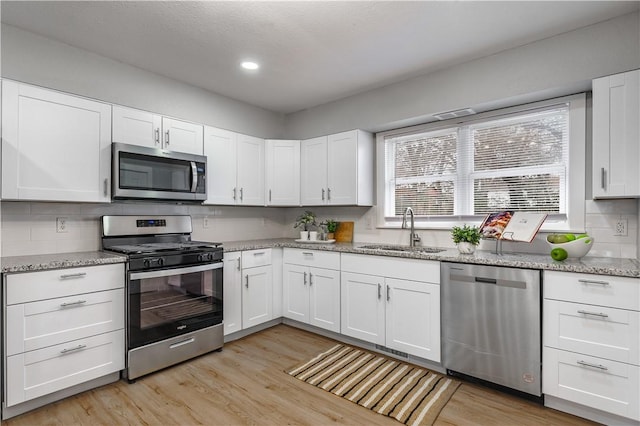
[30, 227]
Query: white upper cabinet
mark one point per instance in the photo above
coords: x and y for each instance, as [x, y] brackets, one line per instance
[55, 147]
[282, 172]
[338, 169]
[250, 170]
[616, 132]
[220, 149]
[144, 128]
[235, 168]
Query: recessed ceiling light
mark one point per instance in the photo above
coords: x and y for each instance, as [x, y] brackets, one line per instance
[248, 65]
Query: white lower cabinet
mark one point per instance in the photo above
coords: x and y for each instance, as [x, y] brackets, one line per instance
[311, 294]
[248, 289]
[392, 302]
[232, 291]
[41, 372]
[591, 339]
[63, 328]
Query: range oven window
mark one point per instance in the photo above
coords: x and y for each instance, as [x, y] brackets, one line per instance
[171, 302]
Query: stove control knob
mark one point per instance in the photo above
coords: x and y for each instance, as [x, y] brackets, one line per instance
[160, 261]
[146, 263]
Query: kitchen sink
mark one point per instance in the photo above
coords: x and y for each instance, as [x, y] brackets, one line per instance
[388, 247]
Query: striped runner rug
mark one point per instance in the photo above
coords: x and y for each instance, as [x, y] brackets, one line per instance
[409, 394]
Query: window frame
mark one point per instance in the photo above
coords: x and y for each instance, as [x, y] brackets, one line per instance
[576, 167]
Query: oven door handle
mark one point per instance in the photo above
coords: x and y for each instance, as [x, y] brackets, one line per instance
[176, 271]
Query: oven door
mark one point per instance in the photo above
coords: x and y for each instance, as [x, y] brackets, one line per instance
[170, 302]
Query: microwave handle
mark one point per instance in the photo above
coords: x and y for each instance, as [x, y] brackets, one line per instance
[194, 176]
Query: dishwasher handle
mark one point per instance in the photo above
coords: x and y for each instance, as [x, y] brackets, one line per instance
[500, 282]
[486, 280]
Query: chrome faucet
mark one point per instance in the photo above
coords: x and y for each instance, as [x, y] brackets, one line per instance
[413, 237]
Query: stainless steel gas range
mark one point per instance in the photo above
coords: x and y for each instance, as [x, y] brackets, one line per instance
[174, 290]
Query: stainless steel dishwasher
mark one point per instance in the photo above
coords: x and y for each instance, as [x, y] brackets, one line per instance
[491, 325]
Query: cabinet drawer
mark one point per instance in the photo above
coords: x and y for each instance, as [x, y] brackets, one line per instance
[50, 322]
[253, 258]
[610, 386]
[595, 330]
[37, 373]
[602, 290]
[390, 267]
[32, 286]
[315, 258]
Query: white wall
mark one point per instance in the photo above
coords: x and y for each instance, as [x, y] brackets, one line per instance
[30, 58]
[30, 228]
[556, 66]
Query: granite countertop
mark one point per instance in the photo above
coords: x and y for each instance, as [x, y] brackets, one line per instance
[587, 265]
[42, 262]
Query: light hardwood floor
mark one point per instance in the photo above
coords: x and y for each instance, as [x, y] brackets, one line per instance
[245, 384]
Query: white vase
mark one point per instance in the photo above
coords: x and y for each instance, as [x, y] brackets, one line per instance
[313, 235]
[465, 247]
[304, 235]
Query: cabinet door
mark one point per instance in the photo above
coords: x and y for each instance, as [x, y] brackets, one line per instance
[296, 292]
[324, 298]
[313, 171]
[282, 173]
[616, 131]
[257, 296]
[182, 136]
[342, 168]
[362, 307]
[232, 292]
[53, 368]
[220, 149]
[55, 147]
[54, 321]
[613, 387]
[413, 318]
[136, 127]
[250, 171]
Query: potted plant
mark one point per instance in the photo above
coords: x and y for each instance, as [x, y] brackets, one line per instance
[330, 225]
[466, 237]
[305, 221]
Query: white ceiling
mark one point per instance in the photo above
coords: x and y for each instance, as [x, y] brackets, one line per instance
[311, 52]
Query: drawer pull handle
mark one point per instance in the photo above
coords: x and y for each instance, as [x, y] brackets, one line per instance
[595, 314]
[76, 303]
[71, 276]
[310, 278]
[307, 253]
[260, 253]
[182, 343]
[305, 279]
[247, 279]
[598, 366]
[379, 291]
[77, 348]
[605, 283]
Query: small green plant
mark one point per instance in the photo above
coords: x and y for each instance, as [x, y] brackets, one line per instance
[330, 224]
[466, 233]
[305, 220]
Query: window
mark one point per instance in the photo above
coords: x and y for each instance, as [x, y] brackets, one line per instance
[527, 158]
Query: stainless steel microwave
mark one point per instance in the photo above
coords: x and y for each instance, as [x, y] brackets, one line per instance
[141, 173]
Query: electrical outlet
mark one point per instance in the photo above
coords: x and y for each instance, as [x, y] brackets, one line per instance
[61, 224]
[620, 227]
[205, 223]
